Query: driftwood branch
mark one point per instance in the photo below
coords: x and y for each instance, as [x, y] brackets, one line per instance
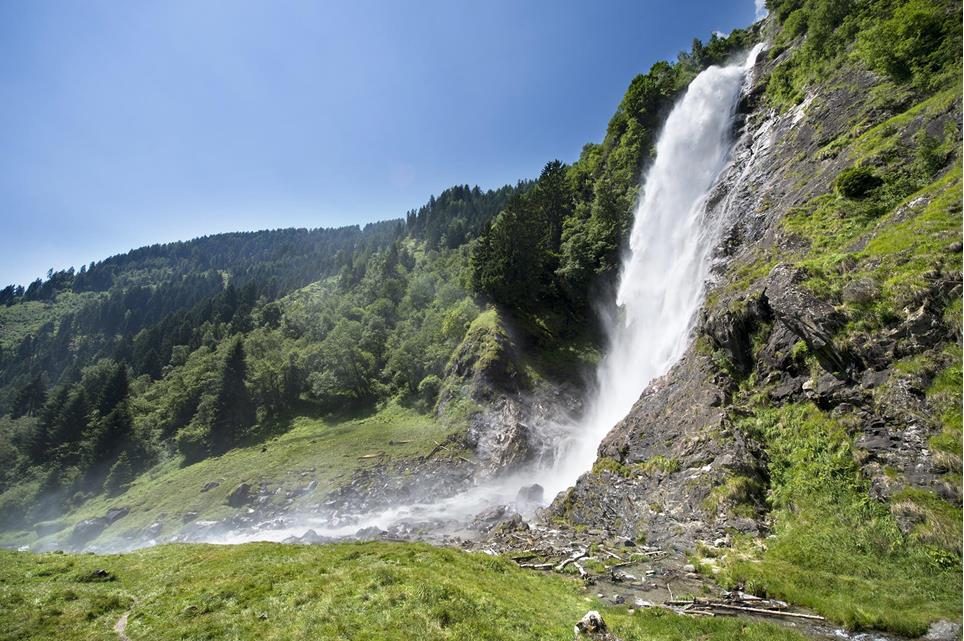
[575, 557]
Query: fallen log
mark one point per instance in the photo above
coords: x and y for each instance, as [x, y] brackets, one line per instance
[575, 557]
[764, 611]
[689, 605]
[582, 571]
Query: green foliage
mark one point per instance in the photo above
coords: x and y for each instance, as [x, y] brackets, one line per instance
[658, 464]
[120, 476]
[915, 42]
[352, 590]
[508, 260]
[328, 450]
[857, 182]
[611, 466]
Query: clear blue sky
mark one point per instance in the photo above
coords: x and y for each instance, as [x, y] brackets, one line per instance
[129, 122]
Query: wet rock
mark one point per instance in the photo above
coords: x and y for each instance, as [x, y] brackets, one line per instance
[153, 530]
[116, 513]
[813, 320]
[731, 330]
[210, 486]
[188, 517]
[514, 523]
[922, 328]
[239, 495]
[487, 519]
[787, 389]
[860, 291]
[530, 495]
[87, 530]
[371, 532]
[871, 379]
[673, 448]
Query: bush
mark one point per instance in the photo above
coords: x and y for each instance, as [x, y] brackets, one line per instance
[192, 442]
[428, 389]
[857, 182]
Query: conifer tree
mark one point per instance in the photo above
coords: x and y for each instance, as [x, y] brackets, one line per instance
[233, 411]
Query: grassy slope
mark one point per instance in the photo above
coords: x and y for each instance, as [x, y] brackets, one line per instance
[344, 591]
[836, 550]
[312, 449]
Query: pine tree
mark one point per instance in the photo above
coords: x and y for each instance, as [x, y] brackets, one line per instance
[233, 410]
[120, 476]
[30, 399]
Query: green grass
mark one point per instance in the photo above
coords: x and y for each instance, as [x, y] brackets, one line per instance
[369, 591]
[944, 394]
[838, 551]
[313, 449]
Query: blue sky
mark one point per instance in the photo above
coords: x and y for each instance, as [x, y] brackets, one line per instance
[125, 123]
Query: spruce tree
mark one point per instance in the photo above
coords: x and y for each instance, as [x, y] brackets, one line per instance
[30, 398]
[120, 476]
[233, 410]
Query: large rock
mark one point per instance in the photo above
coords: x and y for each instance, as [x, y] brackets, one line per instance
[87, 530]
[811, 319]
[592, 626]
[943, 631]
[530, 495]
[240, 495]
[116, 513]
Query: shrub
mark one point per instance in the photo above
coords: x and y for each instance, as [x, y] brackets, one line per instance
[857, 182]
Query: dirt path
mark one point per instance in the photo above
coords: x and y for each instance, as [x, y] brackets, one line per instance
[121, 626]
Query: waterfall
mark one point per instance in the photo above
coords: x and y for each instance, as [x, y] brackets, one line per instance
[664, 272]
[660, 291]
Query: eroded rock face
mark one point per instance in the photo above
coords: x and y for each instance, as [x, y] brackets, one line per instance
[671, 451]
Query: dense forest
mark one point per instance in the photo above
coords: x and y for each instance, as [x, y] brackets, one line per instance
[189, 349]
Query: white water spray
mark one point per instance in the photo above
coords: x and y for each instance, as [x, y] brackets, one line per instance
[664, 273]
[661, 288]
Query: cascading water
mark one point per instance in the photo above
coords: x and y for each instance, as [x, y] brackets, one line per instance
[664, 273]
[660, 291]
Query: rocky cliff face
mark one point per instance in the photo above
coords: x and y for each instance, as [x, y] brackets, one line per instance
[804, 308]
